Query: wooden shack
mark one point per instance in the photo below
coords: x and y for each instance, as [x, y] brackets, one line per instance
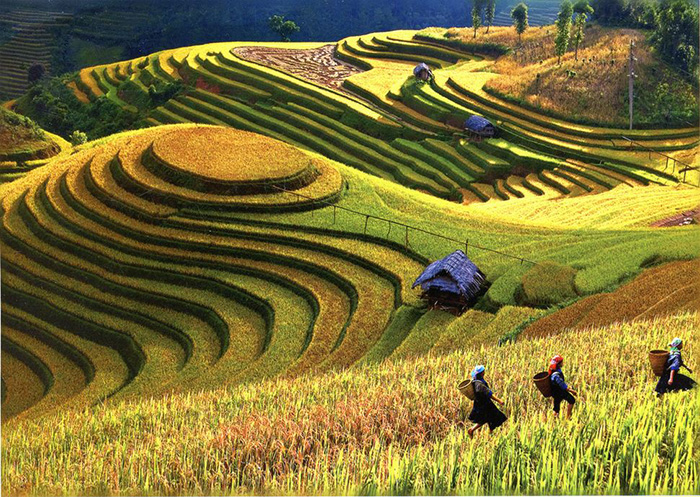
[422, 71]
[479, 127]
[451, 284]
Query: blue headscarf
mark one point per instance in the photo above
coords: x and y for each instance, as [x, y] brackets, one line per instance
[675, 343]
[477, 371]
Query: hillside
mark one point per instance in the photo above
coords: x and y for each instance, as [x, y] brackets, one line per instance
[24, 145]
[69, 35]
[592, 89]
[393, 428]
[128, 267]
[379, 121]
[213, 294]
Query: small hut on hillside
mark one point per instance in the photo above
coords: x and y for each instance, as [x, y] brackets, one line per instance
[422, 71]
[479, 127]
[451, 284]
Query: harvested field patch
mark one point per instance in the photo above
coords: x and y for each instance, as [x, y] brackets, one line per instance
[318, 65]
[683, 219]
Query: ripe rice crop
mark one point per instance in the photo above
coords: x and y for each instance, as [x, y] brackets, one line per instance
[394, 428]
[622, 207]
[224, 155]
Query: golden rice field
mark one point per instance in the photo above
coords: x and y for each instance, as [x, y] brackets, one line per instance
[622, 207]
[221, 302]
[394, 428]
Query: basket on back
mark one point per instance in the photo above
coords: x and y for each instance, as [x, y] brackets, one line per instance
[543, 384]
[466, 388]
[658, 359]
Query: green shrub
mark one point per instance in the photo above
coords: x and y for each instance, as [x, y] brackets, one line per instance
[78, 137]
[548, 283]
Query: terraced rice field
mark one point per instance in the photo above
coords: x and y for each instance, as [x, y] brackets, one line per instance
[254, 305]
[668, 289]
[185, 276]
[249, 257]
[382, 122]
[29, 44]
[389, 429]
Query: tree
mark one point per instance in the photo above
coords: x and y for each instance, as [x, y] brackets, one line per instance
[610, 12]
[477, 8]
[35, 73]
[582, 10]
[676, 35]
[77, 137]
[519, 15]
[284, 28]
[490, 13]
[563, 24]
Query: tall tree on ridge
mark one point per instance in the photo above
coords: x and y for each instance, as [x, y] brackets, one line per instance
[284, 28]
[561, 41]
[477, 11]
[582, 10]
[490, 13]
[519, 16]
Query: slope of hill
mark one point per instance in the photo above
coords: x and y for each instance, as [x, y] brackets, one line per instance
[30, 42]
[590, 89]
[664, 290]
[382, 122]
[24, 145]
[395, 428]
[188, 278]
[184, 305]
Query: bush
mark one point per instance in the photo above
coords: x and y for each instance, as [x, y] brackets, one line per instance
[548, 283]
[77, 137]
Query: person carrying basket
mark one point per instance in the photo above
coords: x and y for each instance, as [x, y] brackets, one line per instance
[672, 380]
[484, 410]
[560, 390]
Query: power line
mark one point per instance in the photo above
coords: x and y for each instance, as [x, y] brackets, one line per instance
[405, 226]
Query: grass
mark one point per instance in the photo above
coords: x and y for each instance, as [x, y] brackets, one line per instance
[585, 90]
[664, 290]
[329, 433]
[22, 140]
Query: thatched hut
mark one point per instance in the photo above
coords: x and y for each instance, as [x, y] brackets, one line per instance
[422, 71]
[479, 127]
[451, 284]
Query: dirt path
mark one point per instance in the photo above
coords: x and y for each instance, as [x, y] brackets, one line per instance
[317, 65]
[682, 219]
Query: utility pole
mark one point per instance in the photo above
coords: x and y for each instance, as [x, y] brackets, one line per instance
[632, 75]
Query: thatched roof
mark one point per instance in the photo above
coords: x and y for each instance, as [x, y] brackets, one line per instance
[477, 123]
[455, 274]
[421, 67]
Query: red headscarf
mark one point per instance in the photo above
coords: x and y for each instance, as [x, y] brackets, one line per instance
[555, 362]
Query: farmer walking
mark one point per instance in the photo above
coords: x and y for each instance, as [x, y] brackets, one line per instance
[560, 390]
[672, 380]
[484, 410]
